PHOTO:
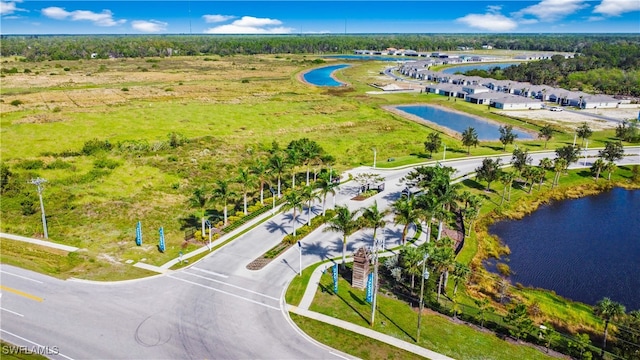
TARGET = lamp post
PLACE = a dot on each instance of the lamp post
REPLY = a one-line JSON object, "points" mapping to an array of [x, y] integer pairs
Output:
{"points": [[300, 250], [574, 138], [444, 154], [38, 182], [425, 275], [273, 200], [376, 246], [208, 223], [374, 156], [586, 148]]}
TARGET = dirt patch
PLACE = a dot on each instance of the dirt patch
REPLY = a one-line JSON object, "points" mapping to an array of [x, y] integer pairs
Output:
{"points": [[570, 120]]}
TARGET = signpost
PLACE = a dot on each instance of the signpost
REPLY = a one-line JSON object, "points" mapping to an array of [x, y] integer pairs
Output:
{"points": [[161, 246], [335, 278], [139, 233]]}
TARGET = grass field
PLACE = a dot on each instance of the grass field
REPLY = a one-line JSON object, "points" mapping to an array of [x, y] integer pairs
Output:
{"points": [[226, 110]]}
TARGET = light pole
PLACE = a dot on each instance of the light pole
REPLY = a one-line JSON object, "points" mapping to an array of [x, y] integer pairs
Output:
{"points": [[376, 246], [574, 138], [208, 223], [374, 156], [300, 250], [425, 275], [273, 200], [586, 148], [38, 182], [444, 154]]}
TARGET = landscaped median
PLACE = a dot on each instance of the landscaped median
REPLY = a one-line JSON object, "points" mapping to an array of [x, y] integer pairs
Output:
{"points": [[395, 318]]}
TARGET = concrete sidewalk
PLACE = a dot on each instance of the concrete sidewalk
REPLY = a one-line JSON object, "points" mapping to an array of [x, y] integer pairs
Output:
{"points": [[39, 242]]}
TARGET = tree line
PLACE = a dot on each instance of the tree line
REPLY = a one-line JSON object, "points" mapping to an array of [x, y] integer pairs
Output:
{"points": [[609, 47]]}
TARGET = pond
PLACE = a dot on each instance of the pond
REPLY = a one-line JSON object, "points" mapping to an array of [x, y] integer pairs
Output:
{"points": [[487, 131], [478, 66], [322, 76], [584, 249]]}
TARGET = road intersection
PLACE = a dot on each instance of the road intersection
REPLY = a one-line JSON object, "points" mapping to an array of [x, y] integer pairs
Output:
{"points": [[215, 308]]}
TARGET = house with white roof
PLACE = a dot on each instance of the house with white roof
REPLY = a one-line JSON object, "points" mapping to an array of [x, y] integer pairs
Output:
{"points": [[514, 102], [599, 102]]}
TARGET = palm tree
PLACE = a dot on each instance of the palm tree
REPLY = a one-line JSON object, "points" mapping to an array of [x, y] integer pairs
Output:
{"points": [[200, 199], [546, 132], [460, 273], [344, 223], [442, 258], [489, 171], [293, 201], [277, 167], [410, 259], [608, 310], [506, 135], [507, 178], [246, 180], [223, 192], [326, 187], [428, 206], [406, 213], [559, 164], [310, 152], [470, 138], [597, 167], [610, 167], [584, 132], [260, 170], [374, 218], [293, 159], [308, 196], [433, 142]]}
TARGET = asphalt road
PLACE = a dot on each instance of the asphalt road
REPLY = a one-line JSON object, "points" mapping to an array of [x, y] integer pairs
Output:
{"points": [[216, 308]]}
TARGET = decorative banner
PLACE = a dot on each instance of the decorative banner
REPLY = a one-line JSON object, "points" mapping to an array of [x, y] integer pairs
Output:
{"points": [[139, 234], [161, 244], [335, 278], [370, 288]]}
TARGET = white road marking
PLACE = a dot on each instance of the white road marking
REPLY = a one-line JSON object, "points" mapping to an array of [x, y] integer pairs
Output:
{"points": [[233, 286], [225, 292], [13, 312], [210, 272], [34, 343], [20, 276], [338, 355]]}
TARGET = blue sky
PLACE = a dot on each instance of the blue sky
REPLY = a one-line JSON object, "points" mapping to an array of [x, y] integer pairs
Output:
{"points": [[315, 17]]}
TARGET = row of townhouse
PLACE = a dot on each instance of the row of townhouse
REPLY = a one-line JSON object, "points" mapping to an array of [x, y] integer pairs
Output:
{"points": [[520, 95]]}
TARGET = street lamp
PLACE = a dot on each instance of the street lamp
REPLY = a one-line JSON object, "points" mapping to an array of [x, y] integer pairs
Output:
{"points": [[300, 250], [273, 200], [376, 246], [208, 223], [444, 154], [38, 182], [374, 156], [425, 275], [586, 148]]}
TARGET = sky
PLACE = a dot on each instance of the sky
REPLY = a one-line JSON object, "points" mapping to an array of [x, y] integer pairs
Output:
{"points": [[318, 17]]}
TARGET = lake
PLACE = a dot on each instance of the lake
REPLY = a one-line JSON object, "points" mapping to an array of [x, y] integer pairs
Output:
{"points": [[479, 66], [322, 76], [584, 249], [487, 131]]}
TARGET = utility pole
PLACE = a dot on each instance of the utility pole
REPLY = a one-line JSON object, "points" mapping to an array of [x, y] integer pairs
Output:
{"points": [[425, 275], [38, 182]]}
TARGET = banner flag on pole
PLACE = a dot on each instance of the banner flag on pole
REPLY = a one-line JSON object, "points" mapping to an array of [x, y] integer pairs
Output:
{"points": [[335, 278], [139, 234], [161, 244], [370, 288]]}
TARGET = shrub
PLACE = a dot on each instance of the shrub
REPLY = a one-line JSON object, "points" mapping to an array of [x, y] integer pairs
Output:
{"points": [[58, 164], [56, 109], [27, 71], [94, 146], [104, 162], [16, 102], [31, 164], [67, 69], [13, 70], [245, 81], [168, 89], [124, 89], [232, 219]]}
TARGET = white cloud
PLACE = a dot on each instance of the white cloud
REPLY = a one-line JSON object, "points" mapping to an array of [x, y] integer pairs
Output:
{"points": [[251, 25], [217, 18], [9, 7], [105, 18], [595, 18], [616, 7], [489, 22], [151, 26], [527, 21], [552, 10]]}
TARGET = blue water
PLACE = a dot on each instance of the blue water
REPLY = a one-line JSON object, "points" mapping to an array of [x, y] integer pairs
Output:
{"points": [[583, 249], [458, 122], [479, 66], [322, 76]]}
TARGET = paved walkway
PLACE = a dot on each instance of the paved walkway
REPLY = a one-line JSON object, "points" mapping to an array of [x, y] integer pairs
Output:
{"points": [[38, 242]]}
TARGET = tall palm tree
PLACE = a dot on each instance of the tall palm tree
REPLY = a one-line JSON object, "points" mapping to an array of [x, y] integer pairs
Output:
{"points": [[559, 164], [260, 171], [470, 138], [428, 206], [293, 159], [460, 273], [277, 167], [610, 167], [293, 201], [374, 218], [405, 213], [200, 198], [247, 181], [308, 196], [344, 223], [597, 167], [411, 260], [507, 178], [546, 132], [310, 153], [223, 192], [326, 187], [442, 258], [607, 310]]}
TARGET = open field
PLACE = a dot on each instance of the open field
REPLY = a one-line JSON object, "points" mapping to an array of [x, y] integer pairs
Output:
{"points": [[224, 111]]}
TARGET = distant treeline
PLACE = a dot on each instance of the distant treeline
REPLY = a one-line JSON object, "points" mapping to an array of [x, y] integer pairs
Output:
{"points": [[74, 47]]}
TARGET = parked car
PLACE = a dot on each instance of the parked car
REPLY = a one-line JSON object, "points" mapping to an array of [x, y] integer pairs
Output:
{"points": [[555, 108]]}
